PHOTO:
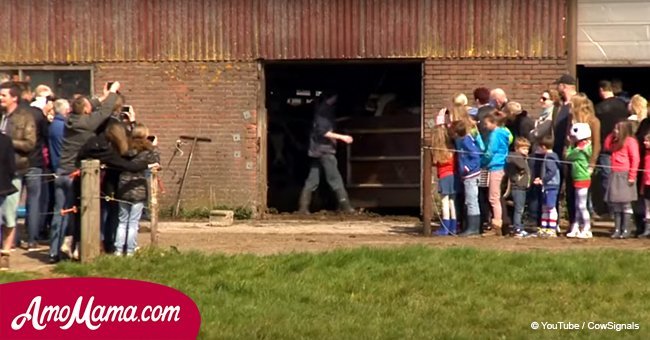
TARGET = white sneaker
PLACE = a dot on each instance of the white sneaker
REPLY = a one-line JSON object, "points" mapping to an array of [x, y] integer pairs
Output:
{"points": [[75, 253], [66, 247], [574, 232], [585, 234]]}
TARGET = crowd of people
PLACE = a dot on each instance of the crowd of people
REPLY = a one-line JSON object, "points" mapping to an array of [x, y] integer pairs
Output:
{"points": [[493, 151], [43, 140]]}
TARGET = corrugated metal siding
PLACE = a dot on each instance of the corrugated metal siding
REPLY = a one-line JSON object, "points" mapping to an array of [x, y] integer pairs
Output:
{"points": [[613, 32], [77, 31]]}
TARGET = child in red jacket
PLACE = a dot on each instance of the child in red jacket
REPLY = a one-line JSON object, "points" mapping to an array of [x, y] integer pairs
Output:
{"points": [[444, 161], [621, 189]]}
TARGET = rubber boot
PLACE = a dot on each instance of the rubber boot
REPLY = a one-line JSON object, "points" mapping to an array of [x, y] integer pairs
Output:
{"points": [[646, 233], [453, 229], [444, 228], [496, 227], [344, 202], [473, 226], [628, 227], [618, 217], [304, 202]]}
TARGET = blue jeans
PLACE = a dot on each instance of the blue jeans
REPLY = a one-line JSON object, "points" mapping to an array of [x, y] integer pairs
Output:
{"points": [[127, 229], [519, 198], [33, 185], [550, 197], [471, 196], [63, 199]]}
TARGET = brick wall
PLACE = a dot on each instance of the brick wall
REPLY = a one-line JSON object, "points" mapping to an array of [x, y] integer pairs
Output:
{"points": [[523, 80], [210, 99], [205, 99]]}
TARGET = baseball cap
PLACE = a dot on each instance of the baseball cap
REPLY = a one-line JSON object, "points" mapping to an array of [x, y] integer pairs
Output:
{"points": [[566, 79]]}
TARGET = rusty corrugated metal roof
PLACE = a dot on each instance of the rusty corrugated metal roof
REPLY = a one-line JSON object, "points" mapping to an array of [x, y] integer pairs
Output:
{"points": [[77, 31]]}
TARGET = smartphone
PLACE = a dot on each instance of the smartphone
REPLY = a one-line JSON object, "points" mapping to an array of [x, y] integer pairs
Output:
{"points": [[126, 108], [109, 84], [151, 138]]}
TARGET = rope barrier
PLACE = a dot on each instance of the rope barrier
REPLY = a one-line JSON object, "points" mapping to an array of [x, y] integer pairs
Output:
{"points": [[481, 153]]}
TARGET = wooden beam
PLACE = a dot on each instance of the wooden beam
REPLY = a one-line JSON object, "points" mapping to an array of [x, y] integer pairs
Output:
{"points": [[90, 210], [153, 206], [427, 199], [572, 36]]}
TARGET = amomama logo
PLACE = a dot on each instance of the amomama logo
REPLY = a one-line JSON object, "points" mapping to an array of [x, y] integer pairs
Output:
{"points": [[101, 308]]}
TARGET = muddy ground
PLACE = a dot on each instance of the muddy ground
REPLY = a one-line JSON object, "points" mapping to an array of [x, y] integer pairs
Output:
{"points": [[282, 235]]}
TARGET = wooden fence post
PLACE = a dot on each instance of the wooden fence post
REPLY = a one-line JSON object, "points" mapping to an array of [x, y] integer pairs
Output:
{"points": [[427, 200], [153, 206], [90, 210]]}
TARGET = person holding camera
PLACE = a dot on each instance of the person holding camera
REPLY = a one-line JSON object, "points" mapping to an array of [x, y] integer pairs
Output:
{"points": [[132, 190], [81, 126]]}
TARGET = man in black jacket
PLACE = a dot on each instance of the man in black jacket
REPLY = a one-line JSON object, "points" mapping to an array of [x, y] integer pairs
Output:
{"points": [[610, 111], [322, 151], [80, 127], [33, 177]]}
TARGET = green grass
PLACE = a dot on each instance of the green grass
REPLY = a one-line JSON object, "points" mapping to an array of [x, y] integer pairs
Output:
{"points": [[12, 277], [410, 292]]}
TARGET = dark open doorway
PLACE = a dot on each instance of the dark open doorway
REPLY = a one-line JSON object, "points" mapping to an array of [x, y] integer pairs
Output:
{"points": [[379, 105], [634, 79]]}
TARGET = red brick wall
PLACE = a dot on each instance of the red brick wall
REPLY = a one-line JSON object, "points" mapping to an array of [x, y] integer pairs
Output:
{"points": [[523, 80], [205, 99], [209, 99]]}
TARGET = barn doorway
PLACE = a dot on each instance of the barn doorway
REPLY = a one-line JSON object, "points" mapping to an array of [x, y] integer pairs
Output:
{"points": [[379, 105], [634, 81]]}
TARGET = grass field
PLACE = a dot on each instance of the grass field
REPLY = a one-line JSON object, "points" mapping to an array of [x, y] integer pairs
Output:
{"points": [[411, 292]]}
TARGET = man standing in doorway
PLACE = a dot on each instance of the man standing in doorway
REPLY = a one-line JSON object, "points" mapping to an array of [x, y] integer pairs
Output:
{"points": [[322, 151], [610, 111]]}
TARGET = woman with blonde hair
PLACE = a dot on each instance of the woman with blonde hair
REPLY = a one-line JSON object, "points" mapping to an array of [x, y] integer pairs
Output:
{"points": [[458, 110], [582, 111], [638, 108]]}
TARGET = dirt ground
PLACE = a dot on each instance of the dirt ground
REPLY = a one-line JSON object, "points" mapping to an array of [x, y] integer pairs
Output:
{"points": [[264, 237]]}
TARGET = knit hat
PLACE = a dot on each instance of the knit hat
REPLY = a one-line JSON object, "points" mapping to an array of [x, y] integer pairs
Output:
{"points": [[580, 131]]}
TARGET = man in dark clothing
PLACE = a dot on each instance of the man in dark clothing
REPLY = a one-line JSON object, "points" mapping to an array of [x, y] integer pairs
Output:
{"points": [[482, 99], [610, 111], [617, 88], [322, 151], [57, 127], [79, 128], [566, 86], [32, 181]]}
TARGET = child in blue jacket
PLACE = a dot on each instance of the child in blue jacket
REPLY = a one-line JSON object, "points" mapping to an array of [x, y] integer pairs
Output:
{"points": [[550, 182], [494, 160], [469, 147]]}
